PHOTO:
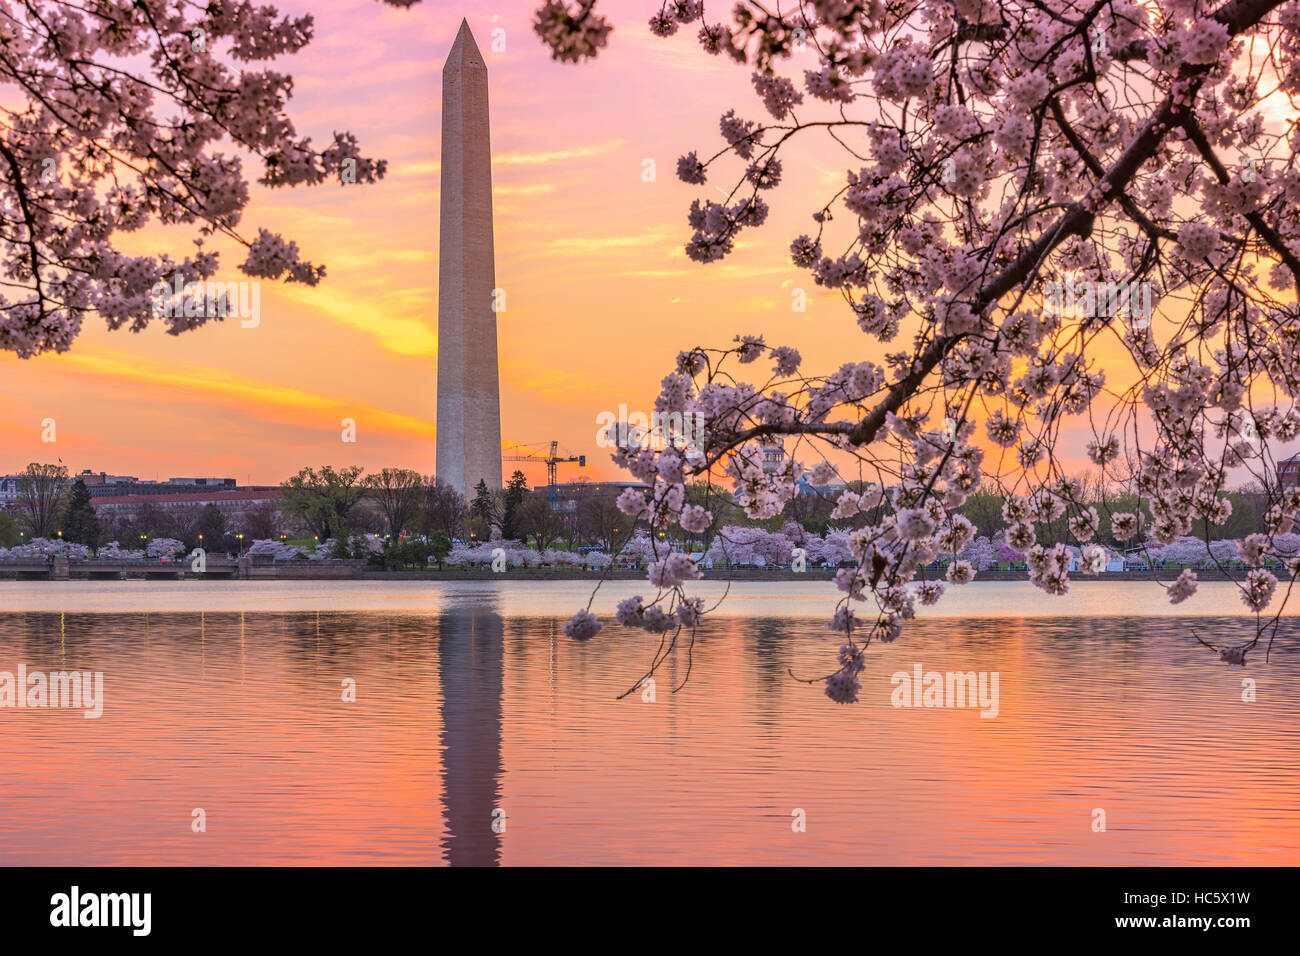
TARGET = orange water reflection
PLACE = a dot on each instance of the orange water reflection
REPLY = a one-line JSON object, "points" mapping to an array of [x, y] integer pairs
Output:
{"points": [[469, 717]]}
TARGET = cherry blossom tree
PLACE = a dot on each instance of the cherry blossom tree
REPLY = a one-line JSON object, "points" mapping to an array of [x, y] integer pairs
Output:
{"points": [[169, 548], [95, 143], [640, 547], [834, 549], [41, 549], [1064, 221], [979, 553], [277, 550], [748, 545]]}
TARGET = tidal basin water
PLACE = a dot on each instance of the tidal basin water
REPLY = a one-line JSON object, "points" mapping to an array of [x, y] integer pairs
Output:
{"points": [[480, 734]]}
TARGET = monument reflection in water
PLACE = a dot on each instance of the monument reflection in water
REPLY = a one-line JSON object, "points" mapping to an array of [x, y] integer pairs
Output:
{"points": [[471, 657]]}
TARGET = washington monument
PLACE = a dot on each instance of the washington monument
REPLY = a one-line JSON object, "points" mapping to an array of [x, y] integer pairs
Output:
{"points": [[469, 404]]}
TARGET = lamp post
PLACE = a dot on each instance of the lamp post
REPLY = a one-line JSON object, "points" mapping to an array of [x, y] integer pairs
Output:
{"points": [[240, 536]]}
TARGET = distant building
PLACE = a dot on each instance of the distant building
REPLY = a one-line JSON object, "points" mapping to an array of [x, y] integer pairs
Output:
{"points": [[803, 486], [126, 494], [130, 500], [773, 455], [1288, 472], [205, 482], [171, 488], [101, 478], [568, 494]]}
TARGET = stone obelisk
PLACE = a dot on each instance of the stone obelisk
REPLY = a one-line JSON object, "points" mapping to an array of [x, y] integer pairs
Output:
{"points": [[469, 403]]}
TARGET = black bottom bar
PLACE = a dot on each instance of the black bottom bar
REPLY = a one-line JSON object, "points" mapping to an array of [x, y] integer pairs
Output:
{"points": [[332, 906]]}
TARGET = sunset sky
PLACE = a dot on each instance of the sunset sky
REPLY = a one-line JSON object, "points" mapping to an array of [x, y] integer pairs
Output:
{"points": [[599, 294]]}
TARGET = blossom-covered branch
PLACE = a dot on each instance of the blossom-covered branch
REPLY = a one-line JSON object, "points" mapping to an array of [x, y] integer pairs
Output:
{"points": [[1078, 217], [91, 146]]}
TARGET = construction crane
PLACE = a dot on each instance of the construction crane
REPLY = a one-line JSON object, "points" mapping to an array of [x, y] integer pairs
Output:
{"points": [[552, 460]]}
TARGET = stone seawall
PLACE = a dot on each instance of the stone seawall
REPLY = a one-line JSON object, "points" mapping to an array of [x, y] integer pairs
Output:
{"points": [[356, 571]]}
